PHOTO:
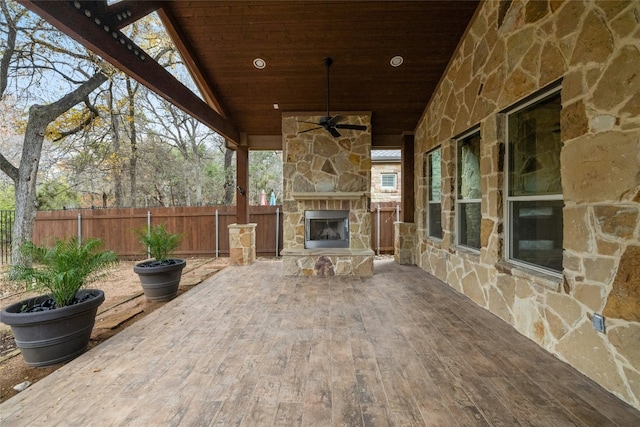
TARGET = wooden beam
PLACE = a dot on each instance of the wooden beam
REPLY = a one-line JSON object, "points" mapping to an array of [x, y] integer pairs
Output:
{"points": [[121, 14], [116, 48], [386, 141], [407, 172], [242, 180], [179, 39], [265, 142]]}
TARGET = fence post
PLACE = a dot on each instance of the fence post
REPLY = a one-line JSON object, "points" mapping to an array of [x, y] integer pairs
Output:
{"points": [[217, 226], [277, 229], [79, 229], [378, 231], [397, 212], [148, 232]]}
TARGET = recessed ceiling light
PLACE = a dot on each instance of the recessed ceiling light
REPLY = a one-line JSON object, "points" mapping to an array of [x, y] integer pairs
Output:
{"points": [[396, 61], [259, 63]]}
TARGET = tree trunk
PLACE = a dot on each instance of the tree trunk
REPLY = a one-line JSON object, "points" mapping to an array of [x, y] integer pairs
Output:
{"points": [[229, 181], [25, 186], [116, 166], [197, 180], [186, 176], [133, 144]]}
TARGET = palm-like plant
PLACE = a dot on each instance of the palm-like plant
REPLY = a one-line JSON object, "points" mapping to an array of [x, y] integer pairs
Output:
{"points": [[159, 241], [65, 267]]}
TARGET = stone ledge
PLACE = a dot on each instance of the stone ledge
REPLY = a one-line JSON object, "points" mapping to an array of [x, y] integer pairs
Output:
{"points": [[330, 195], [545, 281], [327, 251]]}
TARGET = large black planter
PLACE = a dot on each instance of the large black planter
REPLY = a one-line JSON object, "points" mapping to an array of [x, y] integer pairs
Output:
{"points": [[53, 336], [160, 281]]}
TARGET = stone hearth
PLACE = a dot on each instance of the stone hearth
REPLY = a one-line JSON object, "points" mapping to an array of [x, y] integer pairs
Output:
{"points": [[326, 173]]}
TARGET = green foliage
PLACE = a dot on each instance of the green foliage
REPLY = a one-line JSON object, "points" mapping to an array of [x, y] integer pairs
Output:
{"points": [[265, 173], [65, 267], [159, 241], [57, 194], [7, 197]]}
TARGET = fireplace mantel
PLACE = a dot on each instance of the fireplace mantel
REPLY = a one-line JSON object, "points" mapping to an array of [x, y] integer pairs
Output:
{"points": [[330, 195]]}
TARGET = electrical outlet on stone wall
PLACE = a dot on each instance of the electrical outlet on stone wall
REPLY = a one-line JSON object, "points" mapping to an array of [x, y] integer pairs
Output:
{"points": [[598, 322]]}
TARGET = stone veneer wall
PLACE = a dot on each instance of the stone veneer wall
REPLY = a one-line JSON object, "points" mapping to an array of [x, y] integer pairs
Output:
{"points": [[317, 163], [512, 49]]}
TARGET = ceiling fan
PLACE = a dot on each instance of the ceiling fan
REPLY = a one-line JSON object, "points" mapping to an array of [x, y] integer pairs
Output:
{"points": [[332, 124]]}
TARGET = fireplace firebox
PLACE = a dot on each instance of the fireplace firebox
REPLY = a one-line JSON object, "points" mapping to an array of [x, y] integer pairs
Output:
{"points": [[326, 229]]}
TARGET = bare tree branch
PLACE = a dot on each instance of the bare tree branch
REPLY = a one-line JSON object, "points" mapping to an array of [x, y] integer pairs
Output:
{"points": [[93, 113], [8, 168], [60, 106], [12, 32]]}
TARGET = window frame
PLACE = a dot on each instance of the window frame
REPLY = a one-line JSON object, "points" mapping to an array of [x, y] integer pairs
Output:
{"points": [[395, 181], [510, 201], [458, 200], [428, 201]]}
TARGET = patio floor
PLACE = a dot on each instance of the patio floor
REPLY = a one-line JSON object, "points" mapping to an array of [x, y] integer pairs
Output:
{"points": [[250, 347]]}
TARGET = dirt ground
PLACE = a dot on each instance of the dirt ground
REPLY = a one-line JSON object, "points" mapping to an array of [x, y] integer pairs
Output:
{"points": [[124, 305]]}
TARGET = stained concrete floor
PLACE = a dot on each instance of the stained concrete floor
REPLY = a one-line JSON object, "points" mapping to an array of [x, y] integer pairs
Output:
{"points": [[250, 347]]}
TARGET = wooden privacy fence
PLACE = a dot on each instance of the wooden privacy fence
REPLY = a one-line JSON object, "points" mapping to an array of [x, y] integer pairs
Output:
{"points": [[205, 228], [383, 215]]}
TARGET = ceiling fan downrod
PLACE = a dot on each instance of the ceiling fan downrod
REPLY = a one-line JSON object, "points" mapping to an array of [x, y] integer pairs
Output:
{"points": [[332, 124], [327, 62]]}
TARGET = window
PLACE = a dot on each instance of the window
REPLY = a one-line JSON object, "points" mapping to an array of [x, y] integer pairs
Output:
{"points": [[468, 192], [388, 181], [434, 187], [534, 193]]}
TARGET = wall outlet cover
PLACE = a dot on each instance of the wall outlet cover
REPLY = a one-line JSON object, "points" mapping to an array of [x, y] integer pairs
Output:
{"points": [[598, 322]]}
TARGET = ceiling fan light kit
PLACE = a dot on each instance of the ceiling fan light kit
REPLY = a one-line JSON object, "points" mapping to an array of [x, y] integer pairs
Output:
{"points": [[329, 123]]}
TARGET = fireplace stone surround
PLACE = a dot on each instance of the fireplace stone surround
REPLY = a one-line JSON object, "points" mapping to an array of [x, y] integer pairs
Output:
{"points": [[326, 173]]}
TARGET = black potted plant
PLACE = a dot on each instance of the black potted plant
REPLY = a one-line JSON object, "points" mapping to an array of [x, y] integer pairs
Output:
{"points": [[160, 276], [56, 327]]}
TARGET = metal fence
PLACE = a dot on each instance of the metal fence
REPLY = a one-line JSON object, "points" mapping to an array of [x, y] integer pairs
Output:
{"points": [[6, 231]]}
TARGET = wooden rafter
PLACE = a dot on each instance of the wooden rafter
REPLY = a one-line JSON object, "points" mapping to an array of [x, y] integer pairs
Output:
{"points": [[92, 25]]}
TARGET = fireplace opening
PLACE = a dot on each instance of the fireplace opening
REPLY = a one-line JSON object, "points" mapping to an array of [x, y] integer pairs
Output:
{"points": [[326, 229]]}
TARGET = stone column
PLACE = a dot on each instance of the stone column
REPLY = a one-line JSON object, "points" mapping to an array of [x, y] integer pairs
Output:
{"points": [[404, 243], [242, 244]]}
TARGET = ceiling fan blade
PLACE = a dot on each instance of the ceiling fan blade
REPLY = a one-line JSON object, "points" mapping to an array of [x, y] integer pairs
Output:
{"points": [[333, 131], [309, 130], [335, 119], [348, 126], [311, 123], [325, 121]]}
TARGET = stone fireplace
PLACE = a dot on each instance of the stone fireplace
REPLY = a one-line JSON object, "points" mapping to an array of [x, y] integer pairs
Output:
{"points": [[327, 180]]}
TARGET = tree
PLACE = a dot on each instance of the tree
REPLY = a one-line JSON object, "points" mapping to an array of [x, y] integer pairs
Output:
{"points": [[57, 194], [265, 173], [188, 136], [33, 54]]}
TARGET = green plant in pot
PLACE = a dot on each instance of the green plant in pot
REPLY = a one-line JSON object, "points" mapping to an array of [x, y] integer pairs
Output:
{"points": [[56, 327], [160, 276]]}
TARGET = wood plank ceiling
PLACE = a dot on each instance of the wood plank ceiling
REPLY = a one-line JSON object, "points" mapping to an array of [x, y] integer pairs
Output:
{"points": [[221, 39]]}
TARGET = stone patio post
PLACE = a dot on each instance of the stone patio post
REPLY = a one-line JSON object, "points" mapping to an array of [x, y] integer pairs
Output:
{"points": [[242, 244], [404, 243]]}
